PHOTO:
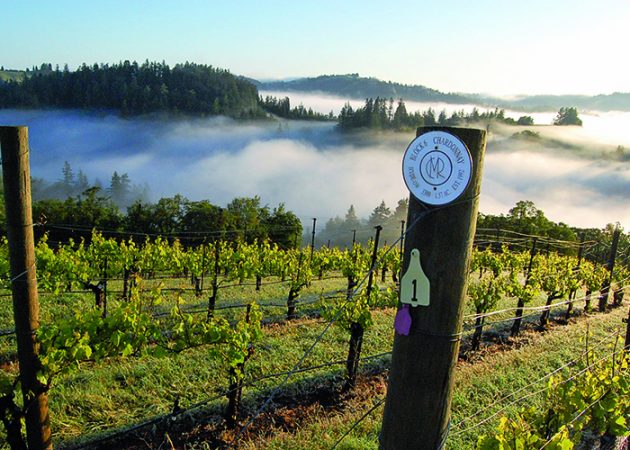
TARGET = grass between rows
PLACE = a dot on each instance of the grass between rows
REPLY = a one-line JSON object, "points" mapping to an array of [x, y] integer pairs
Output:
{"points": [[493, 373], [119, 392]]}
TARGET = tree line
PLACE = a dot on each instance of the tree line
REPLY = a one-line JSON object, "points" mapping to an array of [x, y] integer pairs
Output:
{"points": [[385, 114], [243, 219], [527, 219], [136, 89], [121, 191], [524, 218], [247, 219], [72, 206], [199, 89], [281, 107], [380, 113], [341, 231]]}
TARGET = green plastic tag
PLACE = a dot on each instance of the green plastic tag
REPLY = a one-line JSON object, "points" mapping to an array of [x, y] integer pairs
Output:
{"points": [[415, 289]]}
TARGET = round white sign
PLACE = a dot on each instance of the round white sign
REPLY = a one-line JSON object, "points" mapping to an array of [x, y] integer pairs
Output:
{"points": [[437, 167]]}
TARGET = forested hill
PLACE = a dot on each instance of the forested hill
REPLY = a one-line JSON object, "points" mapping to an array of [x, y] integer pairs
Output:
{"points": [[354, 86], [134, 89], [614, 102], [198, 89]]}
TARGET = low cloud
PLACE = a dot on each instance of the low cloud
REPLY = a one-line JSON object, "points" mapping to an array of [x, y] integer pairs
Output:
{"points": [[316, 170], [578, 192], [314, 182]]}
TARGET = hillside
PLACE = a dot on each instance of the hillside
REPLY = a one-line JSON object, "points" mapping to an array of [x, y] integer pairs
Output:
{"points": [[203, 89], [617, 101], [11, 75], [133, 89], [355, 86]]}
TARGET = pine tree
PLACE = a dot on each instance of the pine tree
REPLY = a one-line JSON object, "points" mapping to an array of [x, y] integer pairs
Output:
{"points": [[567, 116], [380, 215], [401, 118], [352, 221], [115, 187], [67, 180], [82, 182]]}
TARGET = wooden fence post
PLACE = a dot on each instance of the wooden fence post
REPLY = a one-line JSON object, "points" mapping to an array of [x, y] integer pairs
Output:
{"points": [[356, 329], [313, 238], [603, 298], [212, 300], [516, 326], [19, 218], [417, 408], [573, 292]]}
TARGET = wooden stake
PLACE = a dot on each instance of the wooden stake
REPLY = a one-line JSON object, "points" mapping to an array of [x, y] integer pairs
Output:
{"points": [[603, 298], [516, 326], [356, 329], [313, 238], [215, 280], [17, 198], [417, 409]]}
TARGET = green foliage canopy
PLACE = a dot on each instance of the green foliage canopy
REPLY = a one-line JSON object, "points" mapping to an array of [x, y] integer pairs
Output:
{"points": [[134, 89], [567, 116]]}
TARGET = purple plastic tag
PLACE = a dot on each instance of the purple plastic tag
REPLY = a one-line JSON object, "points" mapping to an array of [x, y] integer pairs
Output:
{"points": [[402, 322]]}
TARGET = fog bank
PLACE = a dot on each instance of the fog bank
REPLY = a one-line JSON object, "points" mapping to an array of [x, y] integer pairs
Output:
{"points": [[316, 170]]}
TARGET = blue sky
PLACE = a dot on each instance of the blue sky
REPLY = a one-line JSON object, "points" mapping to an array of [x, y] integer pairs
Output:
{"points": [[497, 47]]}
